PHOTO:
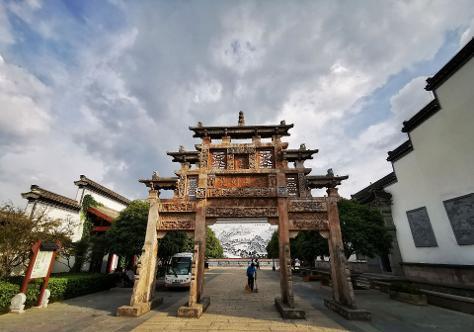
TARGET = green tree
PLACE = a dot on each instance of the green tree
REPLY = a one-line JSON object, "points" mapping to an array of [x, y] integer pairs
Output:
{"points": [[127, 233], [363, 233], [172, 243], [363, 230], [213, 245], [309, 245], [272, 246], [18, 232]]}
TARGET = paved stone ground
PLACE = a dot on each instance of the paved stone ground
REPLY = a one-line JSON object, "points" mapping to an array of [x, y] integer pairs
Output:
{"points": [[233, 309]]}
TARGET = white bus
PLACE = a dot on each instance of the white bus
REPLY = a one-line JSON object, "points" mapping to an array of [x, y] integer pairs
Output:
{"points": [[178, 273]]}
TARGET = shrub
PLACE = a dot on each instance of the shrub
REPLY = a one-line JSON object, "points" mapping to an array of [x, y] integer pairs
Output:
{"points": [[404, 287], [62, 286]]}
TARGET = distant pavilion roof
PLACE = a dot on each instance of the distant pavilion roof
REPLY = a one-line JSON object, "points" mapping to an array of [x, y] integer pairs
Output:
{"points": [[368, 193], [86, 182], [40, 194]]}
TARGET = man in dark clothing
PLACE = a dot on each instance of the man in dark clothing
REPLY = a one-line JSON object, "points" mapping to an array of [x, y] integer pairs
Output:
{"points": [[251, 275]]}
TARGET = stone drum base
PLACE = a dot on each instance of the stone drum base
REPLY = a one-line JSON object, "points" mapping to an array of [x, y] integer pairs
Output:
{"points": [[288, 313], [138, 309], [346, 312], [196, 310]]}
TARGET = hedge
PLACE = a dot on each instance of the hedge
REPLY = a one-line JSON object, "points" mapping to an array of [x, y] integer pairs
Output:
{"points": [[62, 286]]}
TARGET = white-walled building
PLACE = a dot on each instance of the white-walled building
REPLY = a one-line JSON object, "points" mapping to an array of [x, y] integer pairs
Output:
{"points": [[432, 192], [68, 210]]}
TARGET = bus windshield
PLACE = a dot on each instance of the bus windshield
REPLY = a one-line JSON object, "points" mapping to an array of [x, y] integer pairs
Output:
{"points": [[180, 266]]}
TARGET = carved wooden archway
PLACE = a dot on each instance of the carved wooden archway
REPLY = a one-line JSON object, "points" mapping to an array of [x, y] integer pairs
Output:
{"points": [[241, 180]]}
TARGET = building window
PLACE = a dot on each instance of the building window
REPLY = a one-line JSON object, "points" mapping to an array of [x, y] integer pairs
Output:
{"points": [[219, 159], [265, 158], [460, 212], [421, 229], [192, 186]]}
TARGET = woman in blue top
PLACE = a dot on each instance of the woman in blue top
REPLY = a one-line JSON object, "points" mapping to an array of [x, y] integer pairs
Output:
{"points": [[251, 270]]}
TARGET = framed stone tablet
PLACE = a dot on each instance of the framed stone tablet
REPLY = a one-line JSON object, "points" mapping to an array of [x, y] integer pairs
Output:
{"points": [[460, 212], [421, 229]]}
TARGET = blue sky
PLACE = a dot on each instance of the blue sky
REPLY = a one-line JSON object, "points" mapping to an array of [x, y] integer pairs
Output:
{"points": [[105, 88]]}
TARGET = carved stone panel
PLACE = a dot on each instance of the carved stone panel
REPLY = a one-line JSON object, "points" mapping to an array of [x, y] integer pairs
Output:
{"points": [[302, 186], [241, 161], [201, 193], [241, 181], [460, 212], [181, 185], [421, 229], [230, 162], [177, 206], [241, 149], [316, 204], [244, 202], [176, 222], [282, 191], [241, 212], [203, 161], [308, 221], [241, 192], [292, 185]]}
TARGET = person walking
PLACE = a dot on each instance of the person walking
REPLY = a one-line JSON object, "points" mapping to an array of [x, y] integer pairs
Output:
{"points": [[251, 270]]}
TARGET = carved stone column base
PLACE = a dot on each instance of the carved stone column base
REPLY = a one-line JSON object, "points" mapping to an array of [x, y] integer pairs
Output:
{"points": [[196, 310], [17, 305], [288, 313], [138, 309], [346, 312]]}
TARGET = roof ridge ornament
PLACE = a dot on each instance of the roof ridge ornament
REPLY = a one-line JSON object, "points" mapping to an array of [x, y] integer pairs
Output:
{"points": [[241, 119]]}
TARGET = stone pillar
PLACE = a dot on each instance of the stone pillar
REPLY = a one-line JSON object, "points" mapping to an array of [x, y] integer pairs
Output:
{"points": [[340, 274], [143, 296], [286, 286], [200, 239], [197, 304], [193, 289]]}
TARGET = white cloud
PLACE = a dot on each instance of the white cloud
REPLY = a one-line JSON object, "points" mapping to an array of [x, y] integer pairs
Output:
{"points": [[410, 99], [467, 35], [5, 27], [24, 103], [120, 98]]}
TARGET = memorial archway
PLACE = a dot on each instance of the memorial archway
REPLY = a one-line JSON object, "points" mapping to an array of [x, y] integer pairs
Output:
{"points": [[242, 180]]}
